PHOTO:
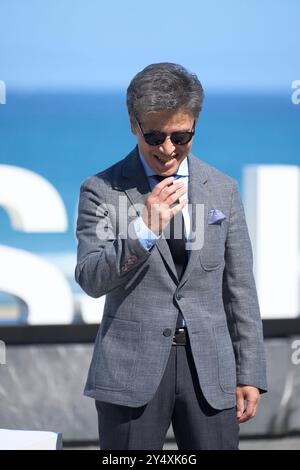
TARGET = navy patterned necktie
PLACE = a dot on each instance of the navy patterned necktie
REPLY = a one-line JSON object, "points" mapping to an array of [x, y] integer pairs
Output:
{"points": [[177, 246]]}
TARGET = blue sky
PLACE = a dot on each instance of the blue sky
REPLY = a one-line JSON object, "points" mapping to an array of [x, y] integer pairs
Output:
{"points": [[88, 44]]}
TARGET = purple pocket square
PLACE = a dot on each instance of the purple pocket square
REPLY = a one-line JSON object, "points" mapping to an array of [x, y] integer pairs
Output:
{"points": [[215, 217]]}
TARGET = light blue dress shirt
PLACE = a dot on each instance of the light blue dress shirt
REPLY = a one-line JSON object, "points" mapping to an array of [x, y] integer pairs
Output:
{"points": [[146, 237]]}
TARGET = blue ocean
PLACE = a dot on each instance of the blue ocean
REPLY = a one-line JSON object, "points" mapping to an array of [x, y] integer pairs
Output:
{"points": [[66, 137]]}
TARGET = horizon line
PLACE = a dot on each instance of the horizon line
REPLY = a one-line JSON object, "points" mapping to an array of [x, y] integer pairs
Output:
{"points": [[120, 90]]}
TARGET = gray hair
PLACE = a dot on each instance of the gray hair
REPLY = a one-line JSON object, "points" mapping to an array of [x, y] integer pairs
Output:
{"points": [[164, 87]]}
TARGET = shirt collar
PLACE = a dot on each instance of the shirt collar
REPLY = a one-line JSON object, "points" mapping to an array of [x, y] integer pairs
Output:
{"points": [[183, 169]]}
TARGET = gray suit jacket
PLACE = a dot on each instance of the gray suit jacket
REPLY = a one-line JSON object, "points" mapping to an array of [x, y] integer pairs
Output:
{"points": [[216, 295]]}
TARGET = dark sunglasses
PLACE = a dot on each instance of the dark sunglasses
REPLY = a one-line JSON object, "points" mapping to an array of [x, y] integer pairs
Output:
{"points": [[157, 138]]}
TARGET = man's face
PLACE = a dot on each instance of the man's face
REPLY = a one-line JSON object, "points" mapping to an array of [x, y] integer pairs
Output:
{"points": [[163, 159]]}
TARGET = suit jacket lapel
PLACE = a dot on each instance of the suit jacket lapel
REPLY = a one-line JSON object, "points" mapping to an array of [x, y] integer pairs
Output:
{"points": [[199, 201], [134, 181]]}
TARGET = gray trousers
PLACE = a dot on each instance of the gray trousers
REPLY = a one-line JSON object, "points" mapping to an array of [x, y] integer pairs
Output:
{"points": [[178, 400]]}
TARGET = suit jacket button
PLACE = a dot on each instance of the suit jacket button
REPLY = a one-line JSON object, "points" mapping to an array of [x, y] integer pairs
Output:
{"points": [[178, 296], [167, 332]]}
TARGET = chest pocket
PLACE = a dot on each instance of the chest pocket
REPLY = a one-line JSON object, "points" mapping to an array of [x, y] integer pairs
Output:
{"points": [[213, 250]]}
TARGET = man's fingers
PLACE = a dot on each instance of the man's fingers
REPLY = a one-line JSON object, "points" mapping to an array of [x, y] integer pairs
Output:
{"points": [[161, 185], [165, 189], [160, 209], [249, 411], [173, 189], [250, 395], [175, 195], [178, 207], [239, 406]]}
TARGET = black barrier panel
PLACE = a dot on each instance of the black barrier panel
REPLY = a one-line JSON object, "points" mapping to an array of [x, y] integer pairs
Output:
{"points": [[86, 333]]}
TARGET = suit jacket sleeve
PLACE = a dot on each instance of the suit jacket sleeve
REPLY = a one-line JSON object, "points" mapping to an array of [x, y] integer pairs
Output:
{"points": [[105, 260], [241, 302]]}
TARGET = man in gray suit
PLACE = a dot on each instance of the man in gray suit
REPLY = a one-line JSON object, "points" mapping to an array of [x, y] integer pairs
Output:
{"points": [[163, 236]]}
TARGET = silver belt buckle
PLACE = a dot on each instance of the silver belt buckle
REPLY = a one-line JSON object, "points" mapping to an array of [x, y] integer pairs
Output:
{"points": [[177, 330]]}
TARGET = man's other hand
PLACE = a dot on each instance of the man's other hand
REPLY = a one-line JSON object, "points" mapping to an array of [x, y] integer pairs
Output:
{"points": [[246, 394]]}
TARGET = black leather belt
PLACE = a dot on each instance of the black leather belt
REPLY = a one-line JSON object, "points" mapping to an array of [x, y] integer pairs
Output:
{"points": [[180, 337]]}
